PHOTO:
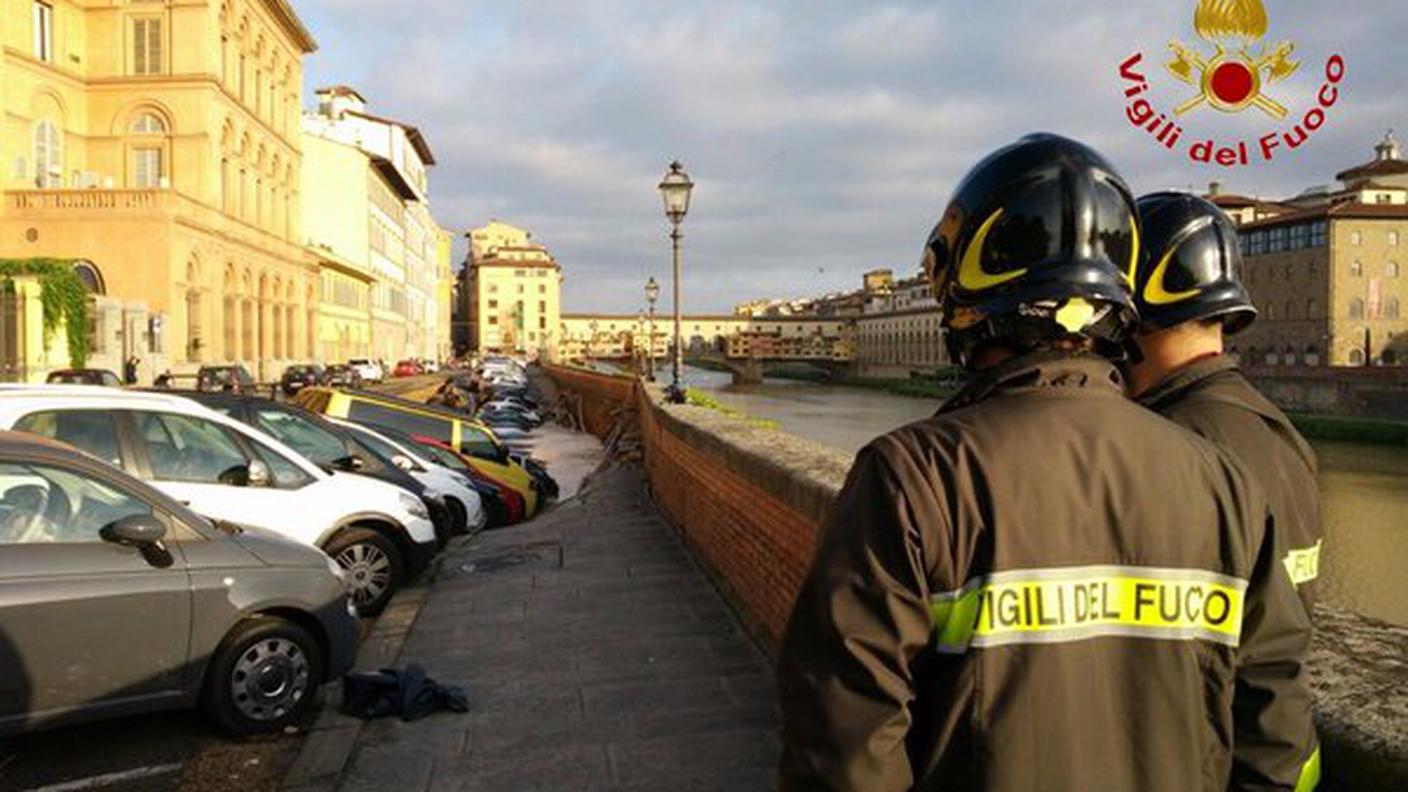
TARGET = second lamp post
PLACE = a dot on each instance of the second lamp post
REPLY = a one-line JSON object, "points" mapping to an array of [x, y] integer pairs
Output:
{"points": [[652, 293], [675, 188]]}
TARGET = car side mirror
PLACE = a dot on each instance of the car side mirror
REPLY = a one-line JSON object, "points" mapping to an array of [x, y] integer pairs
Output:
{"points": [[349, 464], [258, 474], [136, 530], [141, 531]]}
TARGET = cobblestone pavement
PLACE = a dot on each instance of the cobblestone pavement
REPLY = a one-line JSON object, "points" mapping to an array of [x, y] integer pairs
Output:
{"points": [[595, 656]]}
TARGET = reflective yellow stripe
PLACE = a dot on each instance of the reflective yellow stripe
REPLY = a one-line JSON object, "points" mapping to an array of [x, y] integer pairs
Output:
{"points": [[1309, 773], [1080, 603], [1303, 564]]}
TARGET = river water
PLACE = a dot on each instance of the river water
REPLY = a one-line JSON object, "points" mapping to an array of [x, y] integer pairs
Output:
{"points": [[1364, 489]]}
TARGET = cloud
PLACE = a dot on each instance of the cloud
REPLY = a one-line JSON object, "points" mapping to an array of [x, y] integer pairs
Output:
{"points": [[824, 135]]}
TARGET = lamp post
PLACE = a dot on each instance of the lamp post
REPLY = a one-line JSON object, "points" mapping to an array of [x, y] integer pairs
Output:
{"points": [[675, 188], [652, 293]]}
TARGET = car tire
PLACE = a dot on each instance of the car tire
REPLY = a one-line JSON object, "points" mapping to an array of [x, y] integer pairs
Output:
{"points": [[264, 677], [459, 517], [375, 567]]}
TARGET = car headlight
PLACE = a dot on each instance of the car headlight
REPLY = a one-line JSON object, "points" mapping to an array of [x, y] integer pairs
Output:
{"points": [[414, 506]]}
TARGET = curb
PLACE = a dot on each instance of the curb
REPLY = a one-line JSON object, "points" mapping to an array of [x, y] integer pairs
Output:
{"points": [[328, 747]]}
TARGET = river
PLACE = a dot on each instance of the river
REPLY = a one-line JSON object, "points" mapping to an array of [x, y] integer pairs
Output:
{"points": [[1363, 488]]}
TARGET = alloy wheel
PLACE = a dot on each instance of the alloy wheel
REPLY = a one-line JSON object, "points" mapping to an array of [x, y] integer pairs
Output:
{"points": [[368, 571]]}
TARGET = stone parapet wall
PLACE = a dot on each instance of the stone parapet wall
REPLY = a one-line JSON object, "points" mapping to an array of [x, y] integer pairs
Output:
{"points": [[749, 502]]}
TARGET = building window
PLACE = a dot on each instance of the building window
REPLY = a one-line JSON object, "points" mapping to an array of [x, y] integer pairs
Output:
{"points": [[1356, 238], [1392, 269], [542, 288], [1356, 308], [146, 46], [1393, 239], [1356, 357], [1290, 310], [1391, 308], [48, 155], [1319, 233], [493, 320], [542, 323], [542, 306], [44, 32], [1357, 269], [493, 303], [1311, 309], [147, 169]]}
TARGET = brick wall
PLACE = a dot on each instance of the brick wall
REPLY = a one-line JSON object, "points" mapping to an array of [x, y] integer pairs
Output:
{"points": [[747, 501]]}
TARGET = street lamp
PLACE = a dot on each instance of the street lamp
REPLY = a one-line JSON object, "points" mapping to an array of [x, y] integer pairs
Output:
{"points": [[652, 293], [675, 188]]}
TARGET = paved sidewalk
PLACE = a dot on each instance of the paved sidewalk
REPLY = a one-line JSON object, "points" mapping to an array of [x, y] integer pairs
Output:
{"points": [[595, 656]]}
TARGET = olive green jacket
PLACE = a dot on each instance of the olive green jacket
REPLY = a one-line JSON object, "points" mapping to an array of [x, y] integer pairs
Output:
{"points": [[1213, 399], [1046, 587]]}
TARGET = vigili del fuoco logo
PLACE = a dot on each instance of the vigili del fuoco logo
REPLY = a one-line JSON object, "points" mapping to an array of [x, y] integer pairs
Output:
{"points": [[1234, 70]]}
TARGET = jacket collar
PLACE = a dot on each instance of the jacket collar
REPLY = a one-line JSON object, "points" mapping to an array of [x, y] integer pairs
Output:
{"points": [[1177, 384], [1040, 370]]}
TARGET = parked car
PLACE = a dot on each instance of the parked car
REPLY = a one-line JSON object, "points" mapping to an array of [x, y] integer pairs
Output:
{"points": [[381, 534], [298, 377], [459, 489], [460, 432], [506, 504], [342, 375], [369, 370], [117, 599], [101, 377], [224, 378], [334, 448], [407, 368]]}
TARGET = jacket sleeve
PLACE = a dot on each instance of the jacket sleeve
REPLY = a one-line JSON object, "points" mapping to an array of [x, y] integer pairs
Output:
{"points": [[860, 619], [1275, 744]]}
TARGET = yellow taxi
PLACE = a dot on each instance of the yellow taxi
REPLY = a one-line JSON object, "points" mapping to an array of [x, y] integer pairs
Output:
{"points": [[473, 440]]}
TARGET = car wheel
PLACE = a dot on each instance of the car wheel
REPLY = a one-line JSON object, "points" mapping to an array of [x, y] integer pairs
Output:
{"points": [[459, 518], [375, 567], [264, 677]]}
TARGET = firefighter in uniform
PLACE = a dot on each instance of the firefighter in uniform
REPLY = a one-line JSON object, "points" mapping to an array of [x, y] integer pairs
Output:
{"points": [[1189, 296], [1045, 586]]}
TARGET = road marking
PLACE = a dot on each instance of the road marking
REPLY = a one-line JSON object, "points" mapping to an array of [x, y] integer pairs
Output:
{"points": [[108, 779]]}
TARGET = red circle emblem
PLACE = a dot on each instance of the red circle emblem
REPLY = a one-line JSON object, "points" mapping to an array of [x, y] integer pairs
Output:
{"points": [[1233, 82]]}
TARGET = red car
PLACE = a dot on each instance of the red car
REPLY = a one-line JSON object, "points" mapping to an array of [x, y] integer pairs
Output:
{"points": [[407, 368]]}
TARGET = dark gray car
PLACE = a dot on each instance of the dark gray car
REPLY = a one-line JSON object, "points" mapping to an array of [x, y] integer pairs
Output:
{"points": [[116, 599]]}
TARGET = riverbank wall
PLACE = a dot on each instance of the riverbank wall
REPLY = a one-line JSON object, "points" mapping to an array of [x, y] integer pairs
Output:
{"points": [[748, 503]]}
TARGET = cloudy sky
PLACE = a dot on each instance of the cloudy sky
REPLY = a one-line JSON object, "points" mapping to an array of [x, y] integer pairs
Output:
{"points": [[824, 135]]}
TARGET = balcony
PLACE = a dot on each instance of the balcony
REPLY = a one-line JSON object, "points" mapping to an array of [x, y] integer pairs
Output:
{"points": [[99, 203], [85, 199]]}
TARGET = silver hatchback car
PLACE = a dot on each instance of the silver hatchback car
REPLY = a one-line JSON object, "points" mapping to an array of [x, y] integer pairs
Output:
{"points": [[116, 599]]}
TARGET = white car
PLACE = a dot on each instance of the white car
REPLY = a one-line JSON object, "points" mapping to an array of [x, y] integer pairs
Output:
{"points": [[430, 366], [447, 482], [228, 471], [368, 370]]}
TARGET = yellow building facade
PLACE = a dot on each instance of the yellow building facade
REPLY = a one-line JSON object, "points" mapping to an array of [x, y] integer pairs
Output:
{"points": [[158, 143], [515, 293]]}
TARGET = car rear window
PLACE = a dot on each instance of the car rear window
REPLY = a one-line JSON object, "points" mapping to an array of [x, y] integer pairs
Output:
{"points": [[87, 430], [365, 412]]}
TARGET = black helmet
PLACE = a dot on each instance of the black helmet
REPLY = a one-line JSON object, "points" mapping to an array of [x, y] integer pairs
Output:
{"points": [[1039, 241], [1190, 266]]}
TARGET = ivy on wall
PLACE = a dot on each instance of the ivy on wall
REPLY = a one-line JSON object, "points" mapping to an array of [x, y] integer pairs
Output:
{"points": [[64, 297]]}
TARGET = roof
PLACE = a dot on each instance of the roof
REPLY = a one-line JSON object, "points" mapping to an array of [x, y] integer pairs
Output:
{"points": [[1382, 167], [393, 177], [1344, 210], [284, 13], [341, 90], [413, 134]]}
